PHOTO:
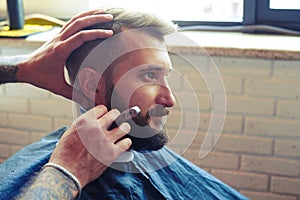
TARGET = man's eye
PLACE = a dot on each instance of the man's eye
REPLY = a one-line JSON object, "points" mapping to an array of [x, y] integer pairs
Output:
{"points": [[150, 75]]}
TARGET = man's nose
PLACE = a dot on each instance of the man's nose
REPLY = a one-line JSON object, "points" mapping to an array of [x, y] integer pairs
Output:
{"points": [[165, 96]]}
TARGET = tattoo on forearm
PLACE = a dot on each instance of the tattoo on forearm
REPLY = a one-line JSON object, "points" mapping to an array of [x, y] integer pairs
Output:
{"points": [[8, 73], [50, 184], [9, 67]]}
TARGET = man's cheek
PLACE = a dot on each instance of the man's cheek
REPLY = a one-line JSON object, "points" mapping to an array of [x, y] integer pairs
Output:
{"points": [[144, 95], [143, 103]]}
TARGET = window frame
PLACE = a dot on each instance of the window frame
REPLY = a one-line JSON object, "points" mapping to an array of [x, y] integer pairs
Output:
{"points": [[255, 12], [260, 13]]}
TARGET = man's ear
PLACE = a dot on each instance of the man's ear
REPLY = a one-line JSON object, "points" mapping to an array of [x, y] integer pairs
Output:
{"points": [[89, 79]]}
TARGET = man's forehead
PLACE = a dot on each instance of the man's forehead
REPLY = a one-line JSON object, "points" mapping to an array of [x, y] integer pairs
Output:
{"points": [[140, 39], [120, 44], [144, 60]]}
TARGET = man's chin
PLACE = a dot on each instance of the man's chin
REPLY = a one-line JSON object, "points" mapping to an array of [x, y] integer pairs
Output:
{"points": [[157, 123], [152, 143]]}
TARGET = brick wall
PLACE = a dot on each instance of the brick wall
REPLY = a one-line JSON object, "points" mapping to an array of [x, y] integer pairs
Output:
{"points": [[27, 114], [258, 151]]}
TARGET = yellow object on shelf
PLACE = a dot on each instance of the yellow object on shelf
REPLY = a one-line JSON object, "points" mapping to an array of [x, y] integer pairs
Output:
{"points": [[28, 29]]}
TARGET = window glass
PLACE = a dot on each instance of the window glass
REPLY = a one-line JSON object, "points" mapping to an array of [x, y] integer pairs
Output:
{"points": [[187, 10], [286, 4]]}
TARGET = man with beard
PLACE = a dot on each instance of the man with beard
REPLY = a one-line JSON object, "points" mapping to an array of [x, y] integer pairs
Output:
{"points": [[132, 69]]}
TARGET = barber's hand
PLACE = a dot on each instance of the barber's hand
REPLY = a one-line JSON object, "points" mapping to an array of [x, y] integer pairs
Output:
{"points": [[87, 147], [44, 68]]}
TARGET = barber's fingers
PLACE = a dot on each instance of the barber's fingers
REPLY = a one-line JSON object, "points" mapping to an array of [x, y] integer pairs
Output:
{"points": [[106, 120], [69, 45], [123, 145], [80, 15], [117, 133], [84, 22], [98, 111]]}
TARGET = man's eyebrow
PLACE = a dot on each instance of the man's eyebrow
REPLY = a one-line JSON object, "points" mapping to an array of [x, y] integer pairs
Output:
{"points": [[155, 68]]}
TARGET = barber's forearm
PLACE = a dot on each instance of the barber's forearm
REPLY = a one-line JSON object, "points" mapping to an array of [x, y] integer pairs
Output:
{"points": [[9, 69], [50, 184]]}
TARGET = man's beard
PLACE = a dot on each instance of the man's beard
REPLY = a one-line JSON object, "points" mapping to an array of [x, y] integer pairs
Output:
{"points": [[142, 135]]}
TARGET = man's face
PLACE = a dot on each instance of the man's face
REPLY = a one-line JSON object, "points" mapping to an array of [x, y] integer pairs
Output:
{"points": [[142, 80]]}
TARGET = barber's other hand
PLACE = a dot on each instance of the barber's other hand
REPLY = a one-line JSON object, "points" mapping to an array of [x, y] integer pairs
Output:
{"points": [[87, 147], [44, 68]]}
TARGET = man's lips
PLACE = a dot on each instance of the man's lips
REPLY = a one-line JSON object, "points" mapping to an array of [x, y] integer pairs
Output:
{"points": [[158, 111], [157, 118], [155, 115]]}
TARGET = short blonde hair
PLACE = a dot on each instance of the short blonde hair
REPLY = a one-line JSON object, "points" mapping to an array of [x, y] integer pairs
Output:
{"points": [[123, 19]]}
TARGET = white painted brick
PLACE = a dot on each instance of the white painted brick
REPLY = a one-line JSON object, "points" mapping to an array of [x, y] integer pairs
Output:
{"points": [[191, 69], [16, 51], [197, 142], [192, 120], [204, 121], [232, 124], [288, 148], [243, 180], [288, 108], [194, 82], [174, 119], [246, 105], [268, 165], [4, 150], [176, 81], [26, 90], [175, 149], [61, 122], [204, 102], [245, 144], [277, 88], [2, 90], [285, 185], [243, 67], [192, 101], [56, 97], [11, 136], [52, 108], [3, 120], [14, 104], [272, 127], [287, 69], [266, 196], [30, 122], [15, 148], [181, 139], [186, 63], [200, 140], [212, 83], [213, 159], [36, 136], [233, 85]]}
